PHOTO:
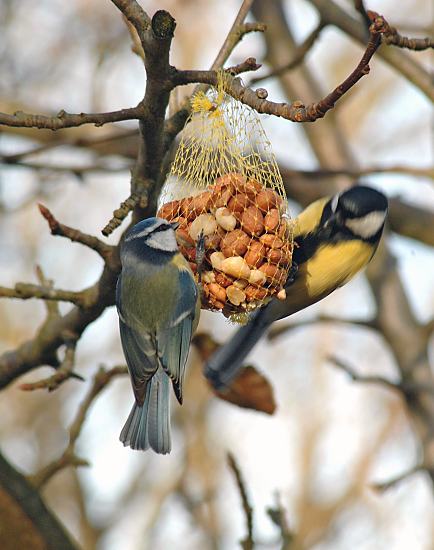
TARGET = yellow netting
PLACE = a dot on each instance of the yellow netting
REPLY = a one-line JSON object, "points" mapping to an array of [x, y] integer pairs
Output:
{"points": [[224, 182]]}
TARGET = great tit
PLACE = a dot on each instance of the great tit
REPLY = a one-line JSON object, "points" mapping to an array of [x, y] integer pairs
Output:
{"points": [[158, 305], [334, 238]]}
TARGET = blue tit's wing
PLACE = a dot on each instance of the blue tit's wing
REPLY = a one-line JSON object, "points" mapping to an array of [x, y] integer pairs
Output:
{"points": [[174, 341], [141, 355], [140, 351]]}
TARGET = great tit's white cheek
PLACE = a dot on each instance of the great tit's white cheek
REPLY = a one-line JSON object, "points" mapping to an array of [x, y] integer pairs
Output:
{"points": [[366, 226]]}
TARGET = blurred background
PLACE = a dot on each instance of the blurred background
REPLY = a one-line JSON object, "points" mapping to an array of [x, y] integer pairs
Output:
{"points": [[331, 439]]}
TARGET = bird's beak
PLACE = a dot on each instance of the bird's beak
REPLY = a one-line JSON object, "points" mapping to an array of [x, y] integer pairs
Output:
{"points": [[174, 225], [334, 219]]}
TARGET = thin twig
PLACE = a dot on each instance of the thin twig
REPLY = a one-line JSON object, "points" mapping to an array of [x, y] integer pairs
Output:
{"points": [[120, 214], [359, 172], [392, 37], [277, 515], [69, 458], [63, 373], [247, 543], [360, 7], [365, 379], [385, 485], [278, 330]]}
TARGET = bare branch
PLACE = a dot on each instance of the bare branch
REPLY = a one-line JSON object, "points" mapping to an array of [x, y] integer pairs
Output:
{"points": [[68, 120], [277, 330], [26, 291], [69, 458], [386, 485], [120, 214], [360, 172], [248, 542], [297, 111], [364, 379], [359, 6], [392, 37]]}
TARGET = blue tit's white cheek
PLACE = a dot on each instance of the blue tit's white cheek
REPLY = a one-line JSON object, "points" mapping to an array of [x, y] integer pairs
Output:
{"points": [[163, 240], [366, 226]]}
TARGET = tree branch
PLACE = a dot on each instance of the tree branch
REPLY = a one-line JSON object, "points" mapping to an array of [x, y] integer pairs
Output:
{"points": [[68, 120], [247, 543]]}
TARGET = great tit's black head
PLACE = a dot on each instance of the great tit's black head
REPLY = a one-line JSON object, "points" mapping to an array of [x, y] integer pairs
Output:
{"points": [[360, 211], [156, 233]]}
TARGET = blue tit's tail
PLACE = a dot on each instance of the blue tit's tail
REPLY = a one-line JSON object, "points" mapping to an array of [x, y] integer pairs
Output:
{"points": [[149, 425], [225, 363]]}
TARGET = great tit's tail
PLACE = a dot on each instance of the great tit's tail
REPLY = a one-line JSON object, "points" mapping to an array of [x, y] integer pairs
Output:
{"points": [[149, 425], [225, 363]]}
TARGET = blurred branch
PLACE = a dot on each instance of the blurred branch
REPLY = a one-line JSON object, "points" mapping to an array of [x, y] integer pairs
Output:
{"points": [[120, 214], [364, 379], [279, 329], [297, 57], [248, 542], [360, 172], [359, 6], [386, 485], [42, 528], [25, 291], [277, 515], [63, 373], [78, 171], [68, 458]]}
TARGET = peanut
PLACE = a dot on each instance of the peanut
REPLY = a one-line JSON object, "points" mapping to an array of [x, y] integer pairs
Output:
{"points": [[205, 223], [252, 221], [274, 275], [212, 242], [200, 203], [223, 280], [239, 202], [257, 277], [234, 243], [208, 277], [281, 295], [255, 293], [271, 220], [236, 266], [251, 188], [240, 283], [235, 295], [225, 219], [217, 291], [266, 200], [216, 259], [221, 194], [169, 210], [279, 256], [270, 240], [255, 254], [183, 238]]}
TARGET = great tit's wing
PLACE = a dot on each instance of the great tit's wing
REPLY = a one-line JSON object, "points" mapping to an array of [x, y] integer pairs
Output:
{"points": [[141, 355], [174, 341]]}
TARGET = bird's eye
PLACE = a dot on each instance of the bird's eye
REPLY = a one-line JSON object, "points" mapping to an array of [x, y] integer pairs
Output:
{"points": [[334, 203]]}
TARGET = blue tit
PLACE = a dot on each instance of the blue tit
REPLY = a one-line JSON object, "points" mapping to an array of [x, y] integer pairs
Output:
{"points": [[158, 305], [335, 237]]}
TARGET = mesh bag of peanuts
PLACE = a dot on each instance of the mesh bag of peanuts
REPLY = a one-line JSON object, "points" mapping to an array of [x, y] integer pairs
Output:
{"points": [[224, 189]]}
